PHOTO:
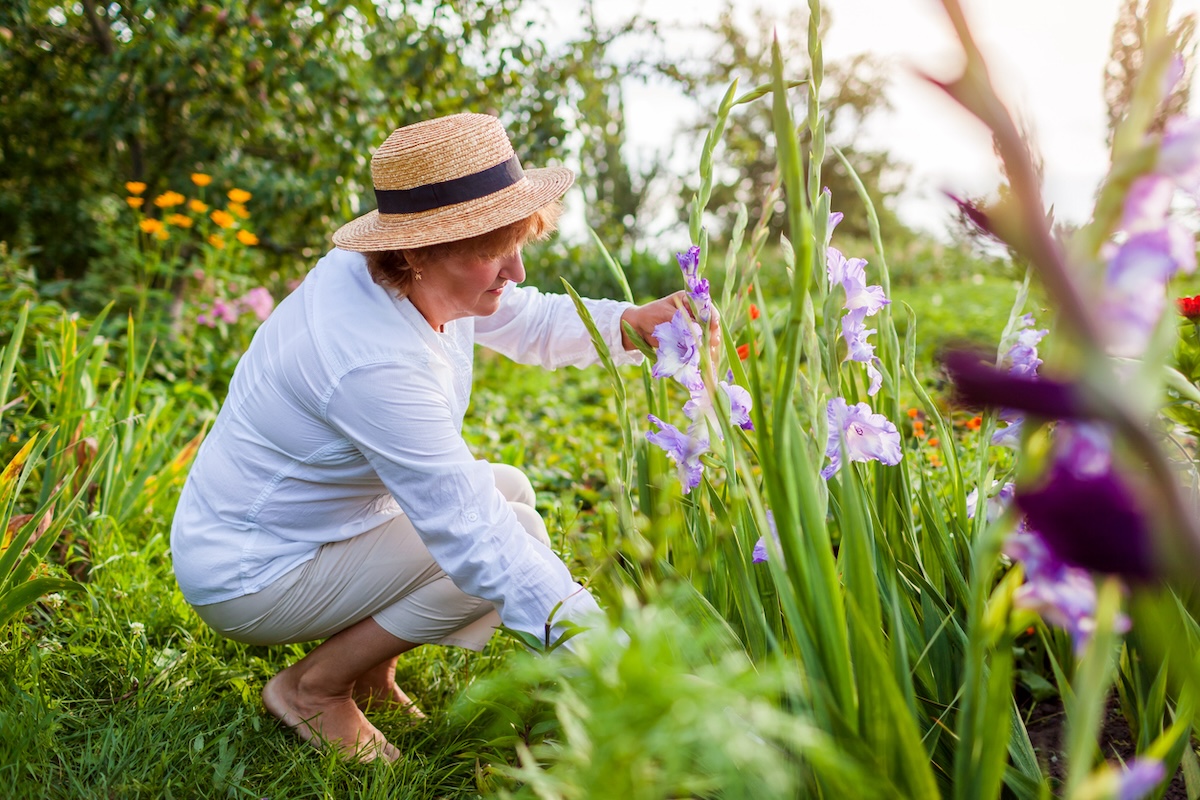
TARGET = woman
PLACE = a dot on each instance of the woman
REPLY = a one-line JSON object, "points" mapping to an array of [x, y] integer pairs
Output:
{"points": [[334, 497]]}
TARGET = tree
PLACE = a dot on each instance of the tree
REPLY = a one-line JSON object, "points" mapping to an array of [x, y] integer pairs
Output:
{"points": [[853, 91], [285, 99]]}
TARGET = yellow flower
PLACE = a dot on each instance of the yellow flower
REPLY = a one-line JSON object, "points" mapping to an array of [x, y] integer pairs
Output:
{"points": [[168, 199], [247, 238], [135, 202], [200, 179], [197, 207], [239, 195], [223, 218], [180, 220], [240, 210], [150, 225], [216, 241], [135, 187], [162, 234]]}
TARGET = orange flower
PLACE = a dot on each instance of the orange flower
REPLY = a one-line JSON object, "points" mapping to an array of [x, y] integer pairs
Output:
{"points": [[743, 351], [135, 187], [974, 423], [150, 226], [197, 207], [935, 460], [919, 429], [912, 413], [180, 220], [216, 241], [247, 238], [168, 199], [754, 312], [135, 202], [162, 235], [239, 195], [223, 218], [239, 210], [934, 442], [200, 179]]}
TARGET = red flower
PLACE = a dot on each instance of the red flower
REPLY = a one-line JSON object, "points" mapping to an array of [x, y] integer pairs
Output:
{"points": [[754, 312], [1190, 307], [743, 351], [974, 423]]}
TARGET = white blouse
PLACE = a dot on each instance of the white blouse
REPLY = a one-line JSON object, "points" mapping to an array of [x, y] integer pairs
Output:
{"points": [[347, 411]]}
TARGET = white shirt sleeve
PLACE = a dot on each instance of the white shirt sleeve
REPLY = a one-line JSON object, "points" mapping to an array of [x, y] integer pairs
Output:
{"points": [[401, 420], [545, 329]]}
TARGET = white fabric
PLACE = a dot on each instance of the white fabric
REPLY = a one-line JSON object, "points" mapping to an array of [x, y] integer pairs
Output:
{"points": [[347, 411]]}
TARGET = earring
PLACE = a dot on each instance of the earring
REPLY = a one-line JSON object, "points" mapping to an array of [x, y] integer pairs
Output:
{"points": [[416, 274]]}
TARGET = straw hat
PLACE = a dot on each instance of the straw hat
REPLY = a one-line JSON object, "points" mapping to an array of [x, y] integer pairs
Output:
{"points": [[447, 179]]}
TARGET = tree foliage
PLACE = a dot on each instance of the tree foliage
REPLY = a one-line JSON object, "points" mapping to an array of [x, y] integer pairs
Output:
{"points": [[285, 99], [854, 91]]}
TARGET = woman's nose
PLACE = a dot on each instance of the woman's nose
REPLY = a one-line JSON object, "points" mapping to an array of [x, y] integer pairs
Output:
{"points": [[513, 268]]}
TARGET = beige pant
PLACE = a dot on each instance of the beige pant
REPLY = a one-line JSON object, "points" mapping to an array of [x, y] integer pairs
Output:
{"points": [[385, 573]]}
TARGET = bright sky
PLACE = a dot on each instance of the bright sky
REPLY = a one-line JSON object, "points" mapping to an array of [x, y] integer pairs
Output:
{"points": [[1047, 56]]}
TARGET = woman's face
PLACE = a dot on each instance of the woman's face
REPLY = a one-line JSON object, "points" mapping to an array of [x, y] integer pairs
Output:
{"points": [[464, 287]]}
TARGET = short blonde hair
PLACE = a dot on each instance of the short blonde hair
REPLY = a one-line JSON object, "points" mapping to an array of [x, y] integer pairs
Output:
{"points": [[396, 269]]}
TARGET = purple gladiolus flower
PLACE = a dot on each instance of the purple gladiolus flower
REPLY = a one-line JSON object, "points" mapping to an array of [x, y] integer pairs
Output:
{"points": [[1147, 204], [684, 449], [862, 301], [1090, 520], [740, 403], [1135, 293], [1179, 153], [1139, 778], [868, 436], [697, 287], [678, 355], [760, 554]]}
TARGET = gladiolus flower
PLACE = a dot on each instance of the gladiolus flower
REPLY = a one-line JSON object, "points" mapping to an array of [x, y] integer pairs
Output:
{"points": [[238, 195], [197, 206], [1139, 778], [740, 404], [135, 187], [135, 202], [678, 356], [216, 241], [754, 312], [868, 436], [223, 219], [697, 287], [1190, 308], [743, 351], [247, 238], [200, 179], [150, 225], [168, 199], [180, 220], [996, 504], [760, 553], [684, 449]]}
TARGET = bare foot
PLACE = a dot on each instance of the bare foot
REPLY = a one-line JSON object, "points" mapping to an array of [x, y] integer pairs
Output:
{"points": [[325, 720], [373, 691]]}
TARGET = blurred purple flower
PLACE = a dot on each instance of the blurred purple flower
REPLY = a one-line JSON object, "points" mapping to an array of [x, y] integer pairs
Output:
{"points": [[224, 312], [760, 553], [258, 301], [1063, 595], [684, 449], [678, 354], [1139, 778], [1147, 204], [977, 383], [1135, 295], [868, 436], [1179, 153]]}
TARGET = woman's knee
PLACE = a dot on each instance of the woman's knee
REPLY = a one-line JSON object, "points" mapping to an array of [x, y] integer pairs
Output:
{"points": [[531, 521], [514, 484]]}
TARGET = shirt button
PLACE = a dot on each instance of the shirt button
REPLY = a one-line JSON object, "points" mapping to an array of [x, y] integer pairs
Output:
{"points": [[472, 516]]}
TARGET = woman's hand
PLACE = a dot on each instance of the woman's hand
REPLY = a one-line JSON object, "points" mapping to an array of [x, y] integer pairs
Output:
{"points": [[643, 319]]}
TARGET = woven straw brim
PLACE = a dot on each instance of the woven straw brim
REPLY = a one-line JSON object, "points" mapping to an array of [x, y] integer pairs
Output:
{"points": [[375, 231]]}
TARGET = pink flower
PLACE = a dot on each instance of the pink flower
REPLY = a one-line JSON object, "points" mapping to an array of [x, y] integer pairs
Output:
{"points": [[258, 301]]}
